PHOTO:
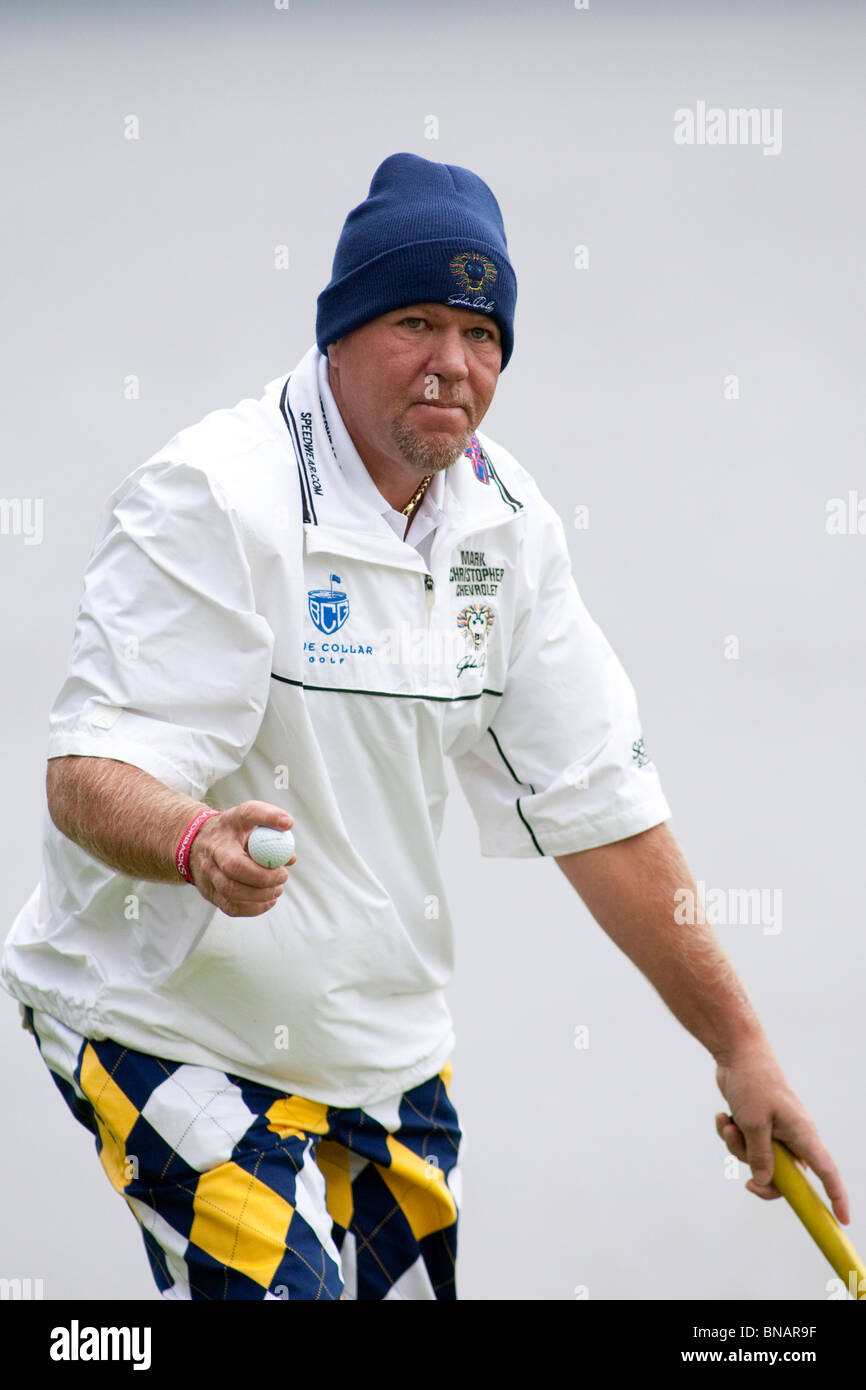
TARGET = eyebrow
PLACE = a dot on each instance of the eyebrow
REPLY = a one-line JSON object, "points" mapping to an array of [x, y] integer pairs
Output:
{"points": [[481, 320]]}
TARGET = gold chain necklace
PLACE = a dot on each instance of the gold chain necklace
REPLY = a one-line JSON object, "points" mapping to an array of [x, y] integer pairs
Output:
{"points": [[413, 501]]}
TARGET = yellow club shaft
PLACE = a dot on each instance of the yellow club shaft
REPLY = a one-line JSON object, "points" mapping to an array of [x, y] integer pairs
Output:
{"points": [[819, 1220]]}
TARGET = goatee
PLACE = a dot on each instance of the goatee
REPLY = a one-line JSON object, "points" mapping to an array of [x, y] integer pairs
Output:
{"points": [[429, 455]]}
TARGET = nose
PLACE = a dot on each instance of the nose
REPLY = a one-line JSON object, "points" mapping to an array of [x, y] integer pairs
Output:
{"points": [[448, 356]]}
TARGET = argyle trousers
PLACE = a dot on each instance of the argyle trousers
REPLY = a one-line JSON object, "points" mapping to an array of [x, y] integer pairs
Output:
{"points": [[246, 1192]]}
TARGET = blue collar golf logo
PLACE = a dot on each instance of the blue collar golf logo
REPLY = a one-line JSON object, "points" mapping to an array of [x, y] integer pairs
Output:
{"points": [[329, 608]]}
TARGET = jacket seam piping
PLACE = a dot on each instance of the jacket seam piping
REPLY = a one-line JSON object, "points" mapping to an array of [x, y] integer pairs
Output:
{"points": [[520, 783], [390, 694]]}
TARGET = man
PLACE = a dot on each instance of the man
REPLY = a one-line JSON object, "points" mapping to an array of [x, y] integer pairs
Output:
{"points": [[293, 613]]}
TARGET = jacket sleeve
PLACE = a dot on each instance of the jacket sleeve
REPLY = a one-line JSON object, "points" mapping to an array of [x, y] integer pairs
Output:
{"points": [[562, 764], [170, 662]]}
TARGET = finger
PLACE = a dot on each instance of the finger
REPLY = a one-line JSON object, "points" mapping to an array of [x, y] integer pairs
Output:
{"points": [[732, 1135], [232, 908], [764, 1190], [259, 900], [235, 891], [819, 1160], [759, 1154], [240, 868], [240, 909], [735, 1140]]}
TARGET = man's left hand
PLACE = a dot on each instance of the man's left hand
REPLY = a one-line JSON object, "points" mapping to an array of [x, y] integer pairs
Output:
{"points": [[763, 1107]]}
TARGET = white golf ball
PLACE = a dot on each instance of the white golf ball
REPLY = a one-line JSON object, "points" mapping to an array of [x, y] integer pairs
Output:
{"points": [[270, 848]]}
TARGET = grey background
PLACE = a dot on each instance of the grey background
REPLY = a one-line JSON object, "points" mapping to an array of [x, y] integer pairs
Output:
{"points": [[598, 1168]]}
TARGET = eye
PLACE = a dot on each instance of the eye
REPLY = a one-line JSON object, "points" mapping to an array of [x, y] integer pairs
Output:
{"points": [[478, 329], [412, 318]]}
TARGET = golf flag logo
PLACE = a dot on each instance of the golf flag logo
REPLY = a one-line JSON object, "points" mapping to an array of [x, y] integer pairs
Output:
{"points": [[329, 608]]}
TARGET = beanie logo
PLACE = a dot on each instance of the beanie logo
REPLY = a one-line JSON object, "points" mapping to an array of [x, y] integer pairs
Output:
{"points": [[473, 273]]}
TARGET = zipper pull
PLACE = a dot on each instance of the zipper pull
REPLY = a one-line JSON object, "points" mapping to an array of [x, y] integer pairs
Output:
{"points": [[429, 586]]}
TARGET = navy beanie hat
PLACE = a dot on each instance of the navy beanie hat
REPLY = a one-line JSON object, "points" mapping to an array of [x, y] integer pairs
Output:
{"points": [[427, 232]]}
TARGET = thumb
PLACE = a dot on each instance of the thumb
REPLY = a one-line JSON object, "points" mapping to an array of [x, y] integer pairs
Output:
{"points": [[253, 813]]}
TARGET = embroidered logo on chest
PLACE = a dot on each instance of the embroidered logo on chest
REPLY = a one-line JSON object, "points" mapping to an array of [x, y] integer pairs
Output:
{"points": [[475, 623], [474, 577]]}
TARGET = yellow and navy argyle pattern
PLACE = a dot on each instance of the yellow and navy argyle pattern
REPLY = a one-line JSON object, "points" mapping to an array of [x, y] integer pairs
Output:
{"points": [[244, 1192]]}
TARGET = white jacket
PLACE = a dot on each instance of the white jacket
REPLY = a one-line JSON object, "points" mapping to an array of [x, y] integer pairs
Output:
{"points": [[251, 627]]}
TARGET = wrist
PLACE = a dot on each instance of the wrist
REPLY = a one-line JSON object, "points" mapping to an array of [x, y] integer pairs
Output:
{"points": [[748, 1044], [186, 841]]}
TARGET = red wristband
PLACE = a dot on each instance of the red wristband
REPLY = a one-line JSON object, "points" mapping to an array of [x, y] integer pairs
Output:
{"points": [[181, 857]]}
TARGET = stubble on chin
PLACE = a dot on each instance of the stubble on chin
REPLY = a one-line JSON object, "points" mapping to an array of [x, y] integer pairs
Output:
{"points": [[429, 455]]}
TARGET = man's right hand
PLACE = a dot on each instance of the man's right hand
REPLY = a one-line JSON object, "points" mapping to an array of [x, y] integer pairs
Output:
{"points": [[222, 870]]}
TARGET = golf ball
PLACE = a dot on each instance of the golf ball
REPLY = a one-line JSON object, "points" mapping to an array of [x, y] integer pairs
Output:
{"points": [[270, 848]]}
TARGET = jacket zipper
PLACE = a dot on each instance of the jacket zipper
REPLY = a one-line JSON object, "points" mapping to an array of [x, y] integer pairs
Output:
{"points": [[430, 590]]}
